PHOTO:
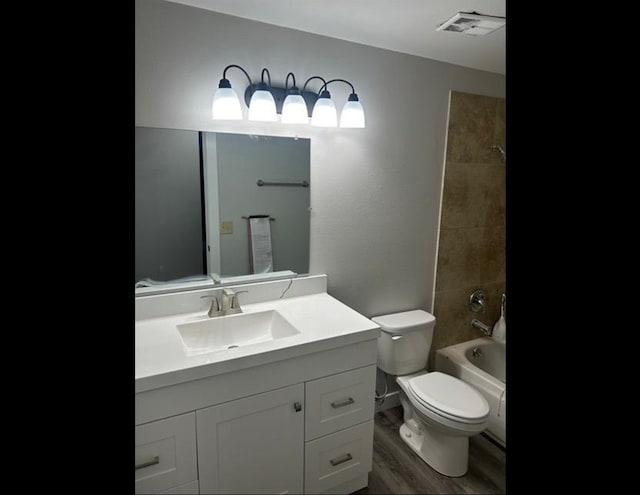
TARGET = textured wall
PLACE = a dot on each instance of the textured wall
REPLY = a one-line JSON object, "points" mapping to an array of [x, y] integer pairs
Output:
{"points": [[471, 249], [375, 192]]}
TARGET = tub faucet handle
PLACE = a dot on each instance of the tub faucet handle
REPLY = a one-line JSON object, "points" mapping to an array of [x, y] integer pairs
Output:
{"points": [[477, 302]]}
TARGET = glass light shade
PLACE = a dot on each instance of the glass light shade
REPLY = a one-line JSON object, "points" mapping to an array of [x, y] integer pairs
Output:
{"points": [[262, 106], [294, 110], [352, 115], [324, 113], [226, 105]]}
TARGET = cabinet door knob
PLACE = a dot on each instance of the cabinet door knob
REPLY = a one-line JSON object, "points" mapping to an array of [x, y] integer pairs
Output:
{"points": [[297, 406]]}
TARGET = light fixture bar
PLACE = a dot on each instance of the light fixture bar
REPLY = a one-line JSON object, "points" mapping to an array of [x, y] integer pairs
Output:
{"points": [[295, 106]]}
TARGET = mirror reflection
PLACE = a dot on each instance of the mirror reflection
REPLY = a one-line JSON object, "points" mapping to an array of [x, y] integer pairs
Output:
{"points": [[218, 204]]}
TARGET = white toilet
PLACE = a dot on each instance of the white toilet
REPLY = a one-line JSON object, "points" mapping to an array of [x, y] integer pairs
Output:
{"points": [[441, 412]]}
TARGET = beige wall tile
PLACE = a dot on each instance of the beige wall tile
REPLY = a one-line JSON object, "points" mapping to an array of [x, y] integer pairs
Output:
{"points": [[500, 134], [457, 259], [472, 247], [457, 197], [494, 297], [488, 198], [471, 128], [492, 255]]}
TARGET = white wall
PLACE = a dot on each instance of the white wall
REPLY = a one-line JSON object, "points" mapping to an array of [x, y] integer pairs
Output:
{"points": [[375, 192]]}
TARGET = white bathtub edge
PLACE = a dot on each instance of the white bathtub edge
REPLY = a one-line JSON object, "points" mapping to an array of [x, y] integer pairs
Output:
{"points": [[452, 361]]}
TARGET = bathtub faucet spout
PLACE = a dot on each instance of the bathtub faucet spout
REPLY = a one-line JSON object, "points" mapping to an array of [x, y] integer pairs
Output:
{"points": [[481, 326]]}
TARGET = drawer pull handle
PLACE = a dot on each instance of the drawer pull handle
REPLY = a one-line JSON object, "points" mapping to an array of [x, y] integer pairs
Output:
{"points": [[340, 460], [297, 406], [155, 460], [342, 403]]}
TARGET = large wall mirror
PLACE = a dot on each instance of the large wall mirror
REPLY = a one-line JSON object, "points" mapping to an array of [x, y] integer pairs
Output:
{"points": [[219, 204]]}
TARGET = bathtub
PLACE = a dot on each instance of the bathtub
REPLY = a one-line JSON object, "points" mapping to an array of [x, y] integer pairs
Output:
{"points": [[481, 363]]}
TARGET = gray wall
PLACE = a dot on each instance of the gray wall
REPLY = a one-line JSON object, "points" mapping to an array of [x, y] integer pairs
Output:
{"points": [[375, 192], [242, 160], [167, 198]]}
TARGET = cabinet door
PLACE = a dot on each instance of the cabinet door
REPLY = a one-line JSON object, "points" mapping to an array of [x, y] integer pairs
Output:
{"points": [[254, 444]]}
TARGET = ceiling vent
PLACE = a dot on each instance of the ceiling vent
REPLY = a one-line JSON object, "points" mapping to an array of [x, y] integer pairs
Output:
{"points": [[472, 23]]}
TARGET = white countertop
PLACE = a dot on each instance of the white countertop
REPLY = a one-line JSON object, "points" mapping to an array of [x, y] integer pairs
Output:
{"points": [[323, 322]]}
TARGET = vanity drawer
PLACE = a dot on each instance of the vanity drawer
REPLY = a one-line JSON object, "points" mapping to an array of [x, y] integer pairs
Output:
{"points": [[337, 458], [165, 454], [339, 401]]}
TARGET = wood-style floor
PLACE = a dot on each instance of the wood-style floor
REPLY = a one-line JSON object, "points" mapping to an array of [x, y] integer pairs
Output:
{"points": [[396, 469]]}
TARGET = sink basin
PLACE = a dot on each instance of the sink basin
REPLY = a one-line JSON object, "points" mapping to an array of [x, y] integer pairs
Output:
{"points": [[239, 330]]}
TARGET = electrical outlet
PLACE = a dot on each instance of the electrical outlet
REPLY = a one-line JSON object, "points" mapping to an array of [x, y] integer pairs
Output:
{"points": [[226, 227]]}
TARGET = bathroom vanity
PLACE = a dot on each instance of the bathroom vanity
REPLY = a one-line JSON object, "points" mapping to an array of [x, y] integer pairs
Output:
{"points": [[284, 405]]}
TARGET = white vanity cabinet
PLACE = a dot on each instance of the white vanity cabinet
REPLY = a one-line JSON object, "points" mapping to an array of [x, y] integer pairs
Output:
{"points": [[253, 445], [288, 415], [300, 425]]}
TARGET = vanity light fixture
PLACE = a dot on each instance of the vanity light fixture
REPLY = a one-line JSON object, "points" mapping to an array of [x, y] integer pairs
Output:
{"points": [[294, 108], [324, 111], [265, 101], [226, 104], [262, 106], [352, 114]]}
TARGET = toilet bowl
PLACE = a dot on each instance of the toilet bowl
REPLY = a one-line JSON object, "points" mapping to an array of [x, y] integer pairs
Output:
{"points": [[440, 411]]}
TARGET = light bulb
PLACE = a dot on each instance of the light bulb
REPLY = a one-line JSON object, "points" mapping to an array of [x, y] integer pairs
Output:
{"points": [[324, 111], [262, 106], [352, 113], [294, 110], [226, 104]]}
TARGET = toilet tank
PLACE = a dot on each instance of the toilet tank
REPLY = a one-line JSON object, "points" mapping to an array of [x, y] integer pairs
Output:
{"points": [[405, 341]]}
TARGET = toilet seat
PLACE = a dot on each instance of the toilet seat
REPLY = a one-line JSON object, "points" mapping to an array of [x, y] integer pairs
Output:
{"points": [[448, 397]]}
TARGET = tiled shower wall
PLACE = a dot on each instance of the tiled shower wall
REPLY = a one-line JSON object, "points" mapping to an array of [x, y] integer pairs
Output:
{"points": [[471, 252]]}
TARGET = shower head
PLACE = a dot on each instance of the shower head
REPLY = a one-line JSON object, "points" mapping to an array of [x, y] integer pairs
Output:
{"points": [[495, 147]]}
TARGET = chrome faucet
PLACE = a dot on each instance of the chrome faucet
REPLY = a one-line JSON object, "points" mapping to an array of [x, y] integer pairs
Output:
{"points": [[481, 326], [230, 303], [214, 309]]}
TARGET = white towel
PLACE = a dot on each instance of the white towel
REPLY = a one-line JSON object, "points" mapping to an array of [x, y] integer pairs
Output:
{"points": [[260, 242]]}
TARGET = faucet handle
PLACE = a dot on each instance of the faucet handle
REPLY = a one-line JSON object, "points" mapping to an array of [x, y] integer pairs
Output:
{"points": [[215, 308], [235, 304], [230, 303]]}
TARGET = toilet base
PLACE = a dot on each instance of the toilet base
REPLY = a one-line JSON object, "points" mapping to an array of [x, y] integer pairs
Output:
{"points": [[447, 454]]}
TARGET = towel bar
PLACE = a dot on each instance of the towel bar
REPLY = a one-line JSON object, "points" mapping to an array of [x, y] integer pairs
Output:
{"points": [[259, 216], [261, 183]]}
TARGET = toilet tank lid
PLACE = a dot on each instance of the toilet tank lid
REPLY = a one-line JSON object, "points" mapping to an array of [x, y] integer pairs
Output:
{"points": [[406, 321]]}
